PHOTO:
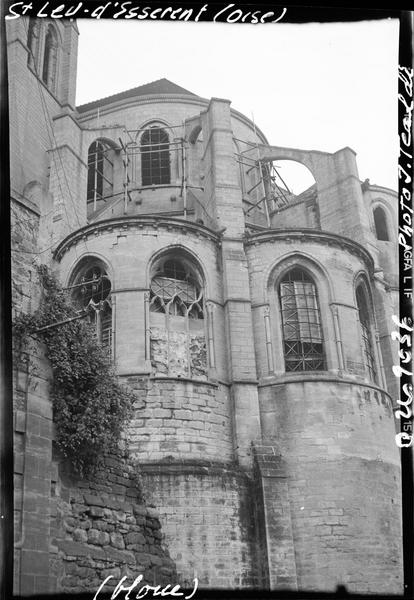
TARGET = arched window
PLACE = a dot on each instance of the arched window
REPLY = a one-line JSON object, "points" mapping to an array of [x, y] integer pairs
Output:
{"points": [[155, 157], [178, 344], [33, 42], [366, 333], [49, 70], [100, 173], [301, 322], [380, 221], [92, 292]]}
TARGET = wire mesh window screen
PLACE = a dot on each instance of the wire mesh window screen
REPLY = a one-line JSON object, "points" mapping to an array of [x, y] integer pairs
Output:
{"points": [[302, 331], [155, 157], [366, 336]]}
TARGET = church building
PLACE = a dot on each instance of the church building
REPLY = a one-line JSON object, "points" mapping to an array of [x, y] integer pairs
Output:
{"points": [[252, 324]]}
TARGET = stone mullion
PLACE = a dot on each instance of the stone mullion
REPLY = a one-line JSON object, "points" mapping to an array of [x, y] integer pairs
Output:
{"points": [[338, 338], [147, 326], [210, 335], [268, 334], [187, 341], [382, 378]]}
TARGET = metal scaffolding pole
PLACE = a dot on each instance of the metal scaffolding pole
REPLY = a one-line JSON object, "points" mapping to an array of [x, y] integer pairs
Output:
{"points": [[184, 184], [261, 181]]}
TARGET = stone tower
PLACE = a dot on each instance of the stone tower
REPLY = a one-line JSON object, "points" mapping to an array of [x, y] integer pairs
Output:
{"points": [[253, 324]]}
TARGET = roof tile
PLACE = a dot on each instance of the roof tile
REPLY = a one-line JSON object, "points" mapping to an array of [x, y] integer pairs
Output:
{"points": [[160, 86]]}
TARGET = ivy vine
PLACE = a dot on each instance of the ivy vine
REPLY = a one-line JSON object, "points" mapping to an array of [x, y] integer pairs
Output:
{"points": [[90, 406]]}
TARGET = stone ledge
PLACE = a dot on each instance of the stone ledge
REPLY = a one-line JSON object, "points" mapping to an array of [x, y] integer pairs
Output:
{"points": [[304, 377], [125, 222], [195, 382], [192, 467], [311, 235]]}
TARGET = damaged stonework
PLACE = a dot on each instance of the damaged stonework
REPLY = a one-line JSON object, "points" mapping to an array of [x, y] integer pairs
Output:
{"points": [[101, 527], [178, 353], [198, 356]]}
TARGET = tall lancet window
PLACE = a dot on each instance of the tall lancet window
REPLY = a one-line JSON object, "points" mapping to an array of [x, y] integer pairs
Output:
{"points": [[301, 322], [92, 292], [155, 157], [49, 70], [366, 334], [178, 341], [380, 221], [33, 42], [100, 174]]}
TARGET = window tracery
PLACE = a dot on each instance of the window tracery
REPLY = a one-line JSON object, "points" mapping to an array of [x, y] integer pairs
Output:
{"points": [[178, 344], [92, 293]]}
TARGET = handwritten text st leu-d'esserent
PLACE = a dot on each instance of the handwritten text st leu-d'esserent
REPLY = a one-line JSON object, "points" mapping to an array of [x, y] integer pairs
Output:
{"points": [[128, 9]]}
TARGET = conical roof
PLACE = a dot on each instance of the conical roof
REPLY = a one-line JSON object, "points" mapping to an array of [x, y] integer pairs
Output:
{"points": [[158, 87]]}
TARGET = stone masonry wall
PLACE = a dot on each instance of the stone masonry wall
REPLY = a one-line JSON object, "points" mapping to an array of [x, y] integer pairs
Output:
{"points": [[301, 213], [24, 232], [180, 419], [341, 474], [69, 534], [101, 527], [32, 415], [208, 517]]}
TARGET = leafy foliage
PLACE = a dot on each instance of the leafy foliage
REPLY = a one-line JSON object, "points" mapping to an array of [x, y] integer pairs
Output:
{"points": [[90, 405]]}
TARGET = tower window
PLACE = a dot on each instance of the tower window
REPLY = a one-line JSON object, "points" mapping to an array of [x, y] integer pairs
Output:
{"points": [[366, 334], [50, 58], [380, 222], [100, 173], [155, 157], [92, 292], [302, 332], [32, 42]]}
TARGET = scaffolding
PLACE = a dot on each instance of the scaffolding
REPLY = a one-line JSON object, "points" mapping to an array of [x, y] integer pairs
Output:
{"points": [[266, 191], [263, 188], [132, 150]]}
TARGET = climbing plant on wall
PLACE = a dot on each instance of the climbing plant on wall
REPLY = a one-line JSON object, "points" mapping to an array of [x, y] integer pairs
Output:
{"points": [[90, 406]]}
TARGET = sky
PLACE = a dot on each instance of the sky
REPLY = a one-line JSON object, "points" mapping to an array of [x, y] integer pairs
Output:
{"points": [[310, 86]]}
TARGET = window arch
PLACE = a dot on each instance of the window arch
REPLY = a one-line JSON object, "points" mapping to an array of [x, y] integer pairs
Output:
{"points": [[177, 329], [365, 323], [380, 221], [303, 345], [155, 157], [91, 291], [100, 173], [50, 56], [33, 42]]}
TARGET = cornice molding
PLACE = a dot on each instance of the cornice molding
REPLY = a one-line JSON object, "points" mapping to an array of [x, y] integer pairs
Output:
{"points": [[306, 377], [134, 221], [306, 235]]}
